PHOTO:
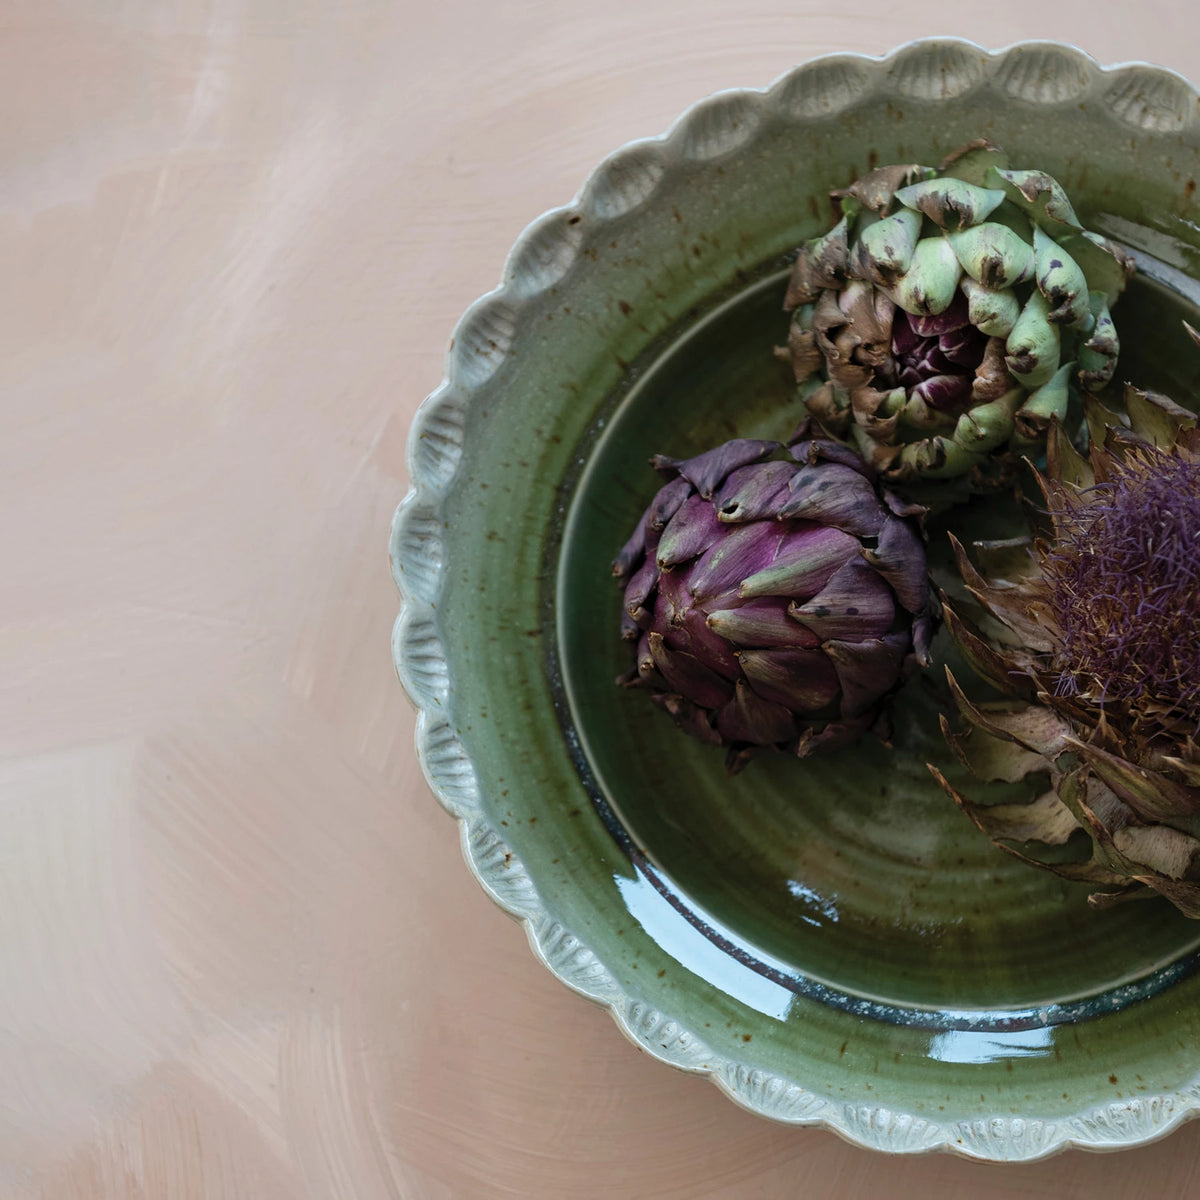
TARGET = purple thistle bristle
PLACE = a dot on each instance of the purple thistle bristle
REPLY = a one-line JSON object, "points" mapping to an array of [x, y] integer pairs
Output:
{"points": [[1125, 588]]}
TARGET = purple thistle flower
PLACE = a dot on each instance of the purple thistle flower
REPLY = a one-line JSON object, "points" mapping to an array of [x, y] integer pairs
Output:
{"points": [[1100, 661], [1124, 577]]}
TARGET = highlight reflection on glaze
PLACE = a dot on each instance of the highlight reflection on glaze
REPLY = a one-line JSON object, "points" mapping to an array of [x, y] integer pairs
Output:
{"points": [[699, 954], [970, 1046]]}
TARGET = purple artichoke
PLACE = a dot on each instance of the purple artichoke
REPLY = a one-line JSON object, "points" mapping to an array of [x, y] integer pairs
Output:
{"points": [[776, 596]]}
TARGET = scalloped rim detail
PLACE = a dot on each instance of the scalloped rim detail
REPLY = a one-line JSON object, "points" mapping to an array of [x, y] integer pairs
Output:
{"points": [[1141, 95]]}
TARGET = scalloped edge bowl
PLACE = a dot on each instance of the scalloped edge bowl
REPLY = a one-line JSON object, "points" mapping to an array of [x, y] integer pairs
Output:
{"points": [[1143, 98]]}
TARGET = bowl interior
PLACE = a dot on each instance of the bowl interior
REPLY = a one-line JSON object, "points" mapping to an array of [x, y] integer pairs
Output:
{"points": [[830, 938], [853, 869]]}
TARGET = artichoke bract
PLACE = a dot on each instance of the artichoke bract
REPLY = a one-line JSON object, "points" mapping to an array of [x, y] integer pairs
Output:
{"points": [[1095, 641], [776, 595], [948, 316]]}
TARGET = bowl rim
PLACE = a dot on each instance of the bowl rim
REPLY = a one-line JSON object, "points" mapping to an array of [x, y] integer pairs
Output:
{"points": [[423, 669]]}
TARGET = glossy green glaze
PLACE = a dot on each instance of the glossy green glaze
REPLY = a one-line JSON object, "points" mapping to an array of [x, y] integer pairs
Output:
{"points": [[850, 867], [829, 938]]}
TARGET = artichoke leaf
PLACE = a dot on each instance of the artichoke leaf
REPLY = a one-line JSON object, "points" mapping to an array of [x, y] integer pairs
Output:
{"points": [[1106, 268], [1098, 355], [972, 162], [1045, 819], [983, 660], [1099, 420], [1164, 850], [993, 255], [992, 759], [1043, 405], [1031, 726], [884, 251], [1008, 603], [1035, 344], [951, 203], [931, 281], [1156, 418], [1007, 559], [875, 189], [992, 311], [822, 263], [1185, 896], [1064, 462], [1041, 195], [1131, 891], [1061, 280], [1151, 794]]}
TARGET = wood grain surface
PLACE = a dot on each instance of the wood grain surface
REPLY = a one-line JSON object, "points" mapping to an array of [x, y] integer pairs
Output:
{"points": [[242, 956]]}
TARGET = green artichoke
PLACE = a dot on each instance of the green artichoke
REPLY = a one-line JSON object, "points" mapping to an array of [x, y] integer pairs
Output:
{"points": [[1094, 639], [946, 318], [775, 596]]}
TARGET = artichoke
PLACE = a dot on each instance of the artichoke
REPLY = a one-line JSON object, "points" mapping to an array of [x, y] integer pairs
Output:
{"points": [[946, 318], [1095, 643], [776, 595]]}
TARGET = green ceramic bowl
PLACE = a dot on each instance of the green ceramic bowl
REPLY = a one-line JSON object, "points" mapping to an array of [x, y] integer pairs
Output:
{"points": [[829, 940]]}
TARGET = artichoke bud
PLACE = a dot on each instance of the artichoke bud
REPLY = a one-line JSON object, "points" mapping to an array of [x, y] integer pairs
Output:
{"points": [[1034, 346], [1041, 195], [951, 203], [1061, 281], [929, 284], [1098, 355], [992, 312], [883, 251], [938, 293], [993, 255], [1047, 403], [987, 426]]}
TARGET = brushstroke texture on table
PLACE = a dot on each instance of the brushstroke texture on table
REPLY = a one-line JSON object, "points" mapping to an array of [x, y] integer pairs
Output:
{"points": [[241, 954]]}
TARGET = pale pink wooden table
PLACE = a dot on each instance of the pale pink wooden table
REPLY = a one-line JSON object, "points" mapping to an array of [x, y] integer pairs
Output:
{"points": [[241, 954]]}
